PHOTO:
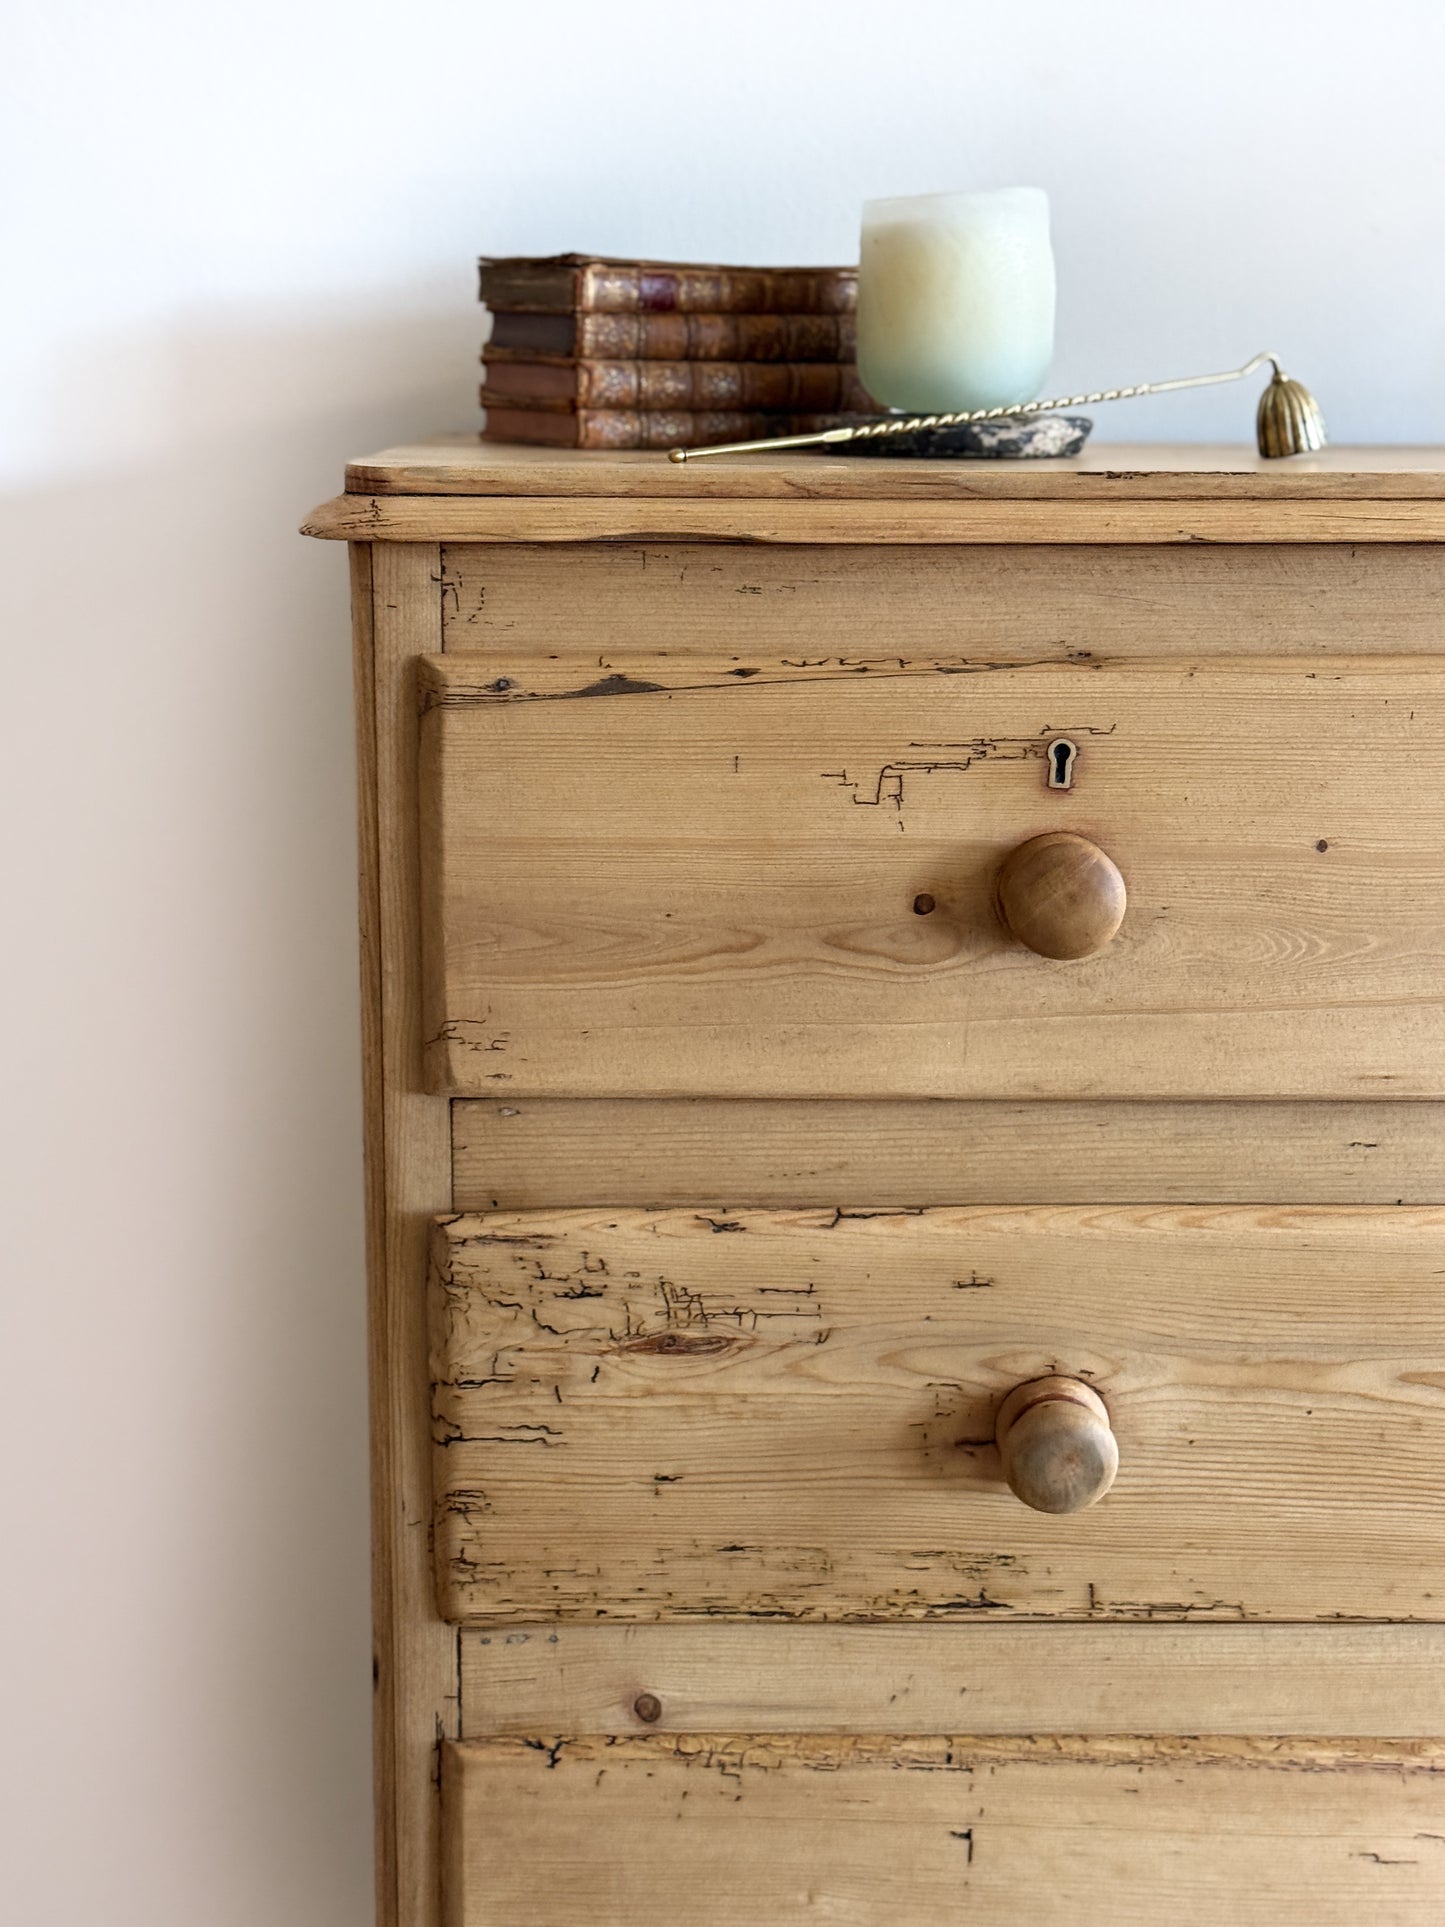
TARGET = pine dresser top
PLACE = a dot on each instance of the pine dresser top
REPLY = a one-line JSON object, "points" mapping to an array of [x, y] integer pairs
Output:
{"points": [[460, 488]]}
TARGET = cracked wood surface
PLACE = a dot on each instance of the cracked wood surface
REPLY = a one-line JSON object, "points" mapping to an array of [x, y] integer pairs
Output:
{"points": [[715, 888], [1325, 1681], [789, 1415], [717, 1830], [558, 1151], [969, 605]]}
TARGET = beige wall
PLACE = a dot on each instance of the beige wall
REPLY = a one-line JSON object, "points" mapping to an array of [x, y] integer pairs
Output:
{"points": [[237, 248]]}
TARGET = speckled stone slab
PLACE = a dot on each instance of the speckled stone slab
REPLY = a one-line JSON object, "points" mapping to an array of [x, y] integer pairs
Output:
{"points": [[1013, 437]]}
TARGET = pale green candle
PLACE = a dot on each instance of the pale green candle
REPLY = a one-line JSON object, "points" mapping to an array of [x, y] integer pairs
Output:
{"points": [[956, 300]]}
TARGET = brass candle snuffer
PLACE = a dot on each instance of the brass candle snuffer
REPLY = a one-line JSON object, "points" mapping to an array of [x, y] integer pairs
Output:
{"points": [[1288, 421]]}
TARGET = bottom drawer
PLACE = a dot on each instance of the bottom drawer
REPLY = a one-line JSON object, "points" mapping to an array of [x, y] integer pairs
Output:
{"points": [[736, 1831]]}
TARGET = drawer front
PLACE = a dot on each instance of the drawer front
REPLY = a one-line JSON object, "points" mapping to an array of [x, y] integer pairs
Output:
{"points": [[793, 1414], [1018, 603], [717, 1831], [1326, 1681], [737, 876]]}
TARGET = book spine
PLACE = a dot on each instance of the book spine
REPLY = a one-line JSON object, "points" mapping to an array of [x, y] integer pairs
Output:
{"points": [[790, 385], [613, 288], [715, 337], [683, 428], [628, 428]]}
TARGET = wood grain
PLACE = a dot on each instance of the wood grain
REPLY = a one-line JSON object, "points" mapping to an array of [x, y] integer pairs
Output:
{"points": [[497, 518], [790, 1414], [717, 890], [857, 609], [717, 1830], [526, 1153], [1148, 471], [1318, 1681], [408, 1179]]}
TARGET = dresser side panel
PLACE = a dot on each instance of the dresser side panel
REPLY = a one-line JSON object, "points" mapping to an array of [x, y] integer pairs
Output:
{"points": [[409, 1179]]}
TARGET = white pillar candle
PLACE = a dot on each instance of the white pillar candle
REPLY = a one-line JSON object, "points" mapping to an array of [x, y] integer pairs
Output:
{"points": [[956, 300]]}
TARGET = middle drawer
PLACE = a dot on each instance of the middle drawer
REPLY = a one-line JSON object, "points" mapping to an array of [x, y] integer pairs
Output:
{"points": [[658, 1415], [728, 876]]}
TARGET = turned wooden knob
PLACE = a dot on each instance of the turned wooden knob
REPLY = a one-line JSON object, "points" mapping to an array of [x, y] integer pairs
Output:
{"points": [[1061, 895], [1058, 1449]]}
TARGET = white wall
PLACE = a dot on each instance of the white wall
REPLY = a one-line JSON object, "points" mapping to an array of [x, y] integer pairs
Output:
{"points": [[238, 247]]}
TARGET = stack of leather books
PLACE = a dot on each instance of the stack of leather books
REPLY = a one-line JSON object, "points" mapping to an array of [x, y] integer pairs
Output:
{"points": [[593, 353]]}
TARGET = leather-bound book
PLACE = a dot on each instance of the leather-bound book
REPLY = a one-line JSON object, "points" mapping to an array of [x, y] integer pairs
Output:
{"points": [[676, 337], [618, 428], [580, 283], [794, 386]]}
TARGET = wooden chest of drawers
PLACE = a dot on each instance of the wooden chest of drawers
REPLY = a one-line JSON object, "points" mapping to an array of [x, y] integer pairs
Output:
{"points": [[906, 1142]]}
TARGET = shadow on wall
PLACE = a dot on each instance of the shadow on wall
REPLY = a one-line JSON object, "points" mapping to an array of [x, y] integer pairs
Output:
{"points": [[187, 1182]]}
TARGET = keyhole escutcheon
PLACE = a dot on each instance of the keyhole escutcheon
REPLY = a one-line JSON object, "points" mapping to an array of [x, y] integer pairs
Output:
{"points": [[1062, 757]]}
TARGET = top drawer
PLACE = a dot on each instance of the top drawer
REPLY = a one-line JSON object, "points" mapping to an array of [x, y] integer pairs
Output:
{"points": [[726, 875]]}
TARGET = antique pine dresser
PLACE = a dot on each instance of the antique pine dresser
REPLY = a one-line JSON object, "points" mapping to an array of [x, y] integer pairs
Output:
{"points": [[905, 1047]]}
